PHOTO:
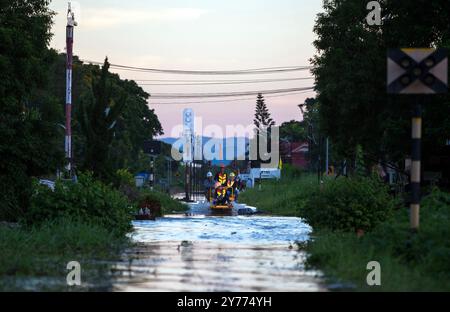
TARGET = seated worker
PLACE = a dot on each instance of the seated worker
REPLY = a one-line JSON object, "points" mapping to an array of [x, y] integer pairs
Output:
{"points": [[220, 196], [221, 177], [232, 187], [209, 186]]}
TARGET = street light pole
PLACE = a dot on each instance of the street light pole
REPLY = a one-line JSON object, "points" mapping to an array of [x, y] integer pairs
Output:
{"points": [[327, 161]]}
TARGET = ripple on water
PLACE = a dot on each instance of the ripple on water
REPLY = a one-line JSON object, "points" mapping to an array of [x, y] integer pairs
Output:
{"points": [[201, 253], [243, 230]]}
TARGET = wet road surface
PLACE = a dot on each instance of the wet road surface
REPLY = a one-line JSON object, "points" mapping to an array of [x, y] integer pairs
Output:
{"points": [[205, 253]]}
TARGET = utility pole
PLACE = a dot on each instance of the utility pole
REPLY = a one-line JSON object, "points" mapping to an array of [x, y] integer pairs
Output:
{"points": [[327, 160], [319, 161], [152, 172], [69, 64]]}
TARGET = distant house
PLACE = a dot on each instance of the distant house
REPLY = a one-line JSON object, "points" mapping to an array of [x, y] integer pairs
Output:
{"points": [[295, 153]]}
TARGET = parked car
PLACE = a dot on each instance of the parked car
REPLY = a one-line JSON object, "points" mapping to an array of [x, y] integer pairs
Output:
{"points": [[49, 183]]}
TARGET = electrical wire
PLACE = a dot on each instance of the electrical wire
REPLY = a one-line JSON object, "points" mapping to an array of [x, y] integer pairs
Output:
{"points": [[230, 82], [264, 70], [229, 100], [227, 94], [214, 80]]}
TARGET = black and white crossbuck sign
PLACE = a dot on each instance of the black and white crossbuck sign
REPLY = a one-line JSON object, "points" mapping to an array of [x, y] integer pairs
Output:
{"points": [[417, 71]]}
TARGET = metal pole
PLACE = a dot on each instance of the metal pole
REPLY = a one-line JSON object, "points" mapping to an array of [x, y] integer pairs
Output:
{"points": [[152, 173], [319, 160], [186, 180], [168, 176], [416, 165], [327, 161], [191, 182], [69, 64]]}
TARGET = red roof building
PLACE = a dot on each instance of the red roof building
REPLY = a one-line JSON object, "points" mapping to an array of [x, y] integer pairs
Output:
{"points": [[295, 153]]}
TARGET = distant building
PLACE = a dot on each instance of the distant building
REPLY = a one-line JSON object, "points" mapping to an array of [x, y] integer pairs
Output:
{"points": [[295, 154]]}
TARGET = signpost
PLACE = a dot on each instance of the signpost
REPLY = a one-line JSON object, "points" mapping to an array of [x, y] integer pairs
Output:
{"points": [[188, 135], [152, 148], [417, 72]]}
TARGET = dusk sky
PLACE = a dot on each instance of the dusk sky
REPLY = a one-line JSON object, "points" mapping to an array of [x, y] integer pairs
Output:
{"points": [[199, 35]]}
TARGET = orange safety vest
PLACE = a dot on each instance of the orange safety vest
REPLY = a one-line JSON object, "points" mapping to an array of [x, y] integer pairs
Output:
{"points": [[222, 178], [221, 192], [230, 183]]}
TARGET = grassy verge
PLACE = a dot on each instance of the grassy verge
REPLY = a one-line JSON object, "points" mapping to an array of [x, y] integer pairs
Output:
{"points": [[35, 258], [280, 198], [168, 204], [409, 262]]}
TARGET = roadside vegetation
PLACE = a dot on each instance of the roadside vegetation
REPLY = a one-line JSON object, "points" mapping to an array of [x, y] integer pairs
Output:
{"points": [[409, 262], [355, 221], [35, 257], [85, 221], [41, 229], [284, 197]]}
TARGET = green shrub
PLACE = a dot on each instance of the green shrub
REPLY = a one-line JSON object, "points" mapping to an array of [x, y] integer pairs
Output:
{"points": [[124, 177], [87, 200], [43, 251], [430, 247], [168, 204], [410, 262], [349, 204], [284, 198], [291, 172]]}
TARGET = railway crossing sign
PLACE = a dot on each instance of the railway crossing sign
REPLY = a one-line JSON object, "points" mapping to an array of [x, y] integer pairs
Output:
{"points": [[417, 71]]}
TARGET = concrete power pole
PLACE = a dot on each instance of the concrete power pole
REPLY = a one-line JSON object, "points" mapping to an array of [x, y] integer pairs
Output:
{"points": [[69, 52]]}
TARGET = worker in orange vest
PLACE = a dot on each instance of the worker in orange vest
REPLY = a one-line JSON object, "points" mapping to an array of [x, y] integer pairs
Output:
{"points": [[221, 177]]}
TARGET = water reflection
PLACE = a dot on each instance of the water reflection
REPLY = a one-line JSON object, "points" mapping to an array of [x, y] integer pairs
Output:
{"points": [[217, 254]]}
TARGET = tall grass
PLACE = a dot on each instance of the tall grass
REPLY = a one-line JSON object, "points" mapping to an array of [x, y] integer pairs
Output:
{"points": [[168, 204], [285, 197], [409, 262], [45, 250]]}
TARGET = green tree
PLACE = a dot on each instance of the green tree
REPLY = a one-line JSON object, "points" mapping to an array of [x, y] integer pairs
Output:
{"points": [[135, 124], [99, 118], [262, 118], [25, 123], [350, 71], [264, 124], [293, 131]]}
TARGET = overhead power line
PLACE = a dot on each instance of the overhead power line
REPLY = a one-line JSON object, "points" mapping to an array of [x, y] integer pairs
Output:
{"points": [[213, 82], [227, 94], [253, 71], [229, 100]]}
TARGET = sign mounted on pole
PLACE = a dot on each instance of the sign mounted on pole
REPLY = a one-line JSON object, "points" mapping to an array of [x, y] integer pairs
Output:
{"points": [[188, 134], [417, 71]]}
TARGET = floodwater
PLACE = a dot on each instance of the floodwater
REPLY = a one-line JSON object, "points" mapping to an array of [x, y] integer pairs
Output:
{"points": [[206, 253]]}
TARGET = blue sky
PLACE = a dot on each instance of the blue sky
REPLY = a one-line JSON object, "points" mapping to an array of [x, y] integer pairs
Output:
{"points": [[199, 35]]}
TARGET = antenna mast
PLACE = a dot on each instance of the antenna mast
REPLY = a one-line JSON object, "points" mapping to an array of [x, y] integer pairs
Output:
{"points": [[69, 62]]}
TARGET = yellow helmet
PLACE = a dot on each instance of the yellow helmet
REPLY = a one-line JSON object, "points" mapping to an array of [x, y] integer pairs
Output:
{"points": [[232, 175]]}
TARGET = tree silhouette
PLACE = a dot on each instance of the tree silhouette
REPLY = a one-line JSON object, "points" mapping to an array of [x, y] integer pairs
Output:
{"points": [[263, 123], [98, 123], [262, 119]]}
